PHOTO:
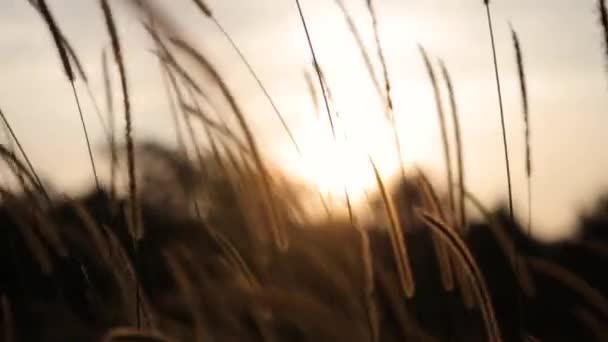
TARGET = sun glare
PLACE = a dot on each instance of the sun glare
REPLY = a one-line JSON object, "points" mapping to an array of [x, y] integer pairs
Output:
{"points": [[335, 164]]}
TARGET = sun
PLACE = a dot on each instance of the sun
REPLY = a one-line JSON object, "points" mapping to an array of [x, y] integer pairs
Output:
{"points": [[342, 162]]}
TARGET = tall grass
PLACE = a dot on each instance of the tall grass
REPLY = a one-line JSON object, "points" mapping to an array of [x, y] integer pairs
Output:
{"points": [[134, 219], [482, 292], [398, 244], [526, 116], [462, 222], [61, 45], [500, 106], [207, 278]]}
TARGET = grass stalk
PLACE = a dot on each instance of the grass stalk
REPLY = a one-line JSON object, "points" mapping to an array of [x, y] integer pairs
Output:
{"points": [[462, 251], [462, 222], [316, 66], [443, 127], [280, 236], [134, 220], [404, 269]]}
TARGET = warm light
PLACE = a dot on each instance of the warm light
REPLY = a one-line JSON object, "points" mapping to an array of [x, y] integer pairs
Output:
{"points": [[336, 164]]}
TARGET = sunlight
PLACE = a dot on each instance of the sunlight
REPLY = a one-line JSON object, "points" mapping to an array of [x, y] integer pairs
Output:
{"points": [[342, 163]]}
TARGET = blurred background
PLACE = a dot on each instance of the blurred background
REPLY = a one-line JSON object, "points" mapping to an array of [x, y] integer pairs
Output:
{"points": [[562, 55]]}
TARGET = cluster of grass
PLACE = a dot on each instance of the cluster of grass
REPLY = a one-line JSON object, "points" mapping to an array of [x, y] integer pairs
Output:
{"points": [[210, 244]]}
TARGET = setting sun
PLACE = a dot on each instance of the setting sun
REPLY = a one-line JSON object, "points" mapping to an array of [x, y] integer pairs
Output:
{"points": [[335, 164]]}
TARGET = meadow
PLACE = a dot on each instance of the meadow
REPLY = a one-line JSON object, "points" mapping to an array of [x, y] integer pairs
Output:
{"points": [[211, 242]]}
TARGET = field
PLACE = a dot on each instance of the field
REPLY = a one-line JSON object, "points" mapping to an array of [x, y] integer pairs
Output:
{"points": [[211, 242]]}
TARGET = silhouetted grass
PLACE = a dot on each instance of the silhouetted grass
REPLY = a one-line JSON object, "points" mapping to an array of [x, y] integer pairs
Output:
{"points": [[81, 269]]}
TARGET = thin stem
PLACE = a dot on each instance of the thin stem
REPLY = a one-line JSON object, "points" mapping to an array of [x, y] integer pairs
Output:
{"points": [[259, 82], [86, 136], [506, 150], [25, 157], [317, 67], [500, 105]]}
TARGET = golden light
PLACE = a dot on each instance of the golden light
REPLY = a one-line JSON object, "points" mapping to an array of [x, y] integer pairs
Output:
{"points": [[335, 164]]}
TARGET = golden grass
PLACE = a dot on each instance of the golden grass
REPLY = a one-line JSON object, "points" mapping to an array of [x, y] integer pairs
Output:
{"points": [[520, 268], [275, 223], [468, 261], [443, 128], [431, 201], [462, 222], [118, 59], [404, 269]]}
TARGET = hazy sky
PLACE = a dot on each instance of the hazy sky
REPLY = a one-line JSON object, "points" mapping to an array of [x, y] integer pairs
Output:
{"points": [[562, 50]]}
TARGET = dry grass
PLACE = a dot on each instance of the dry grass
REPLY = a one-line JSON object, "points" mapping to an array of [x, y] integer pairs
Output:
{"points": [[208, 277], [462, 222], [402, 259], [481, 291], [443, 128]]}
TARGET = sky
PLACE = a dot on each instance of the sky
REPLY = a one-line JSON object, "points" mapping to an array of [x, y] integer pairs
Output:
{"points": [[563, 58]]}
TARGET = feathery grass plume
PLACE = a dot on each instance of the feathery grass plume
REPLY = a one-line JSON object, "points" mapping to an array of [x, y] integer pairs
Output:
{"points": [[205, 9], [404, 268], [524, 96], [190, 294], [128, 334], [134, 218], [83, 76], [61, 43], [592, 296], [19, 168], [443, 126], [277, 231], [519, 266], [316, 66], [118, 59], [107, 81], [431, 200], [56, 34], [8, 324], [461, 250], [526, 114], [352, 27], [603, 12], [595, 325], [30, 167], [459, 150], [500, 107]]}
